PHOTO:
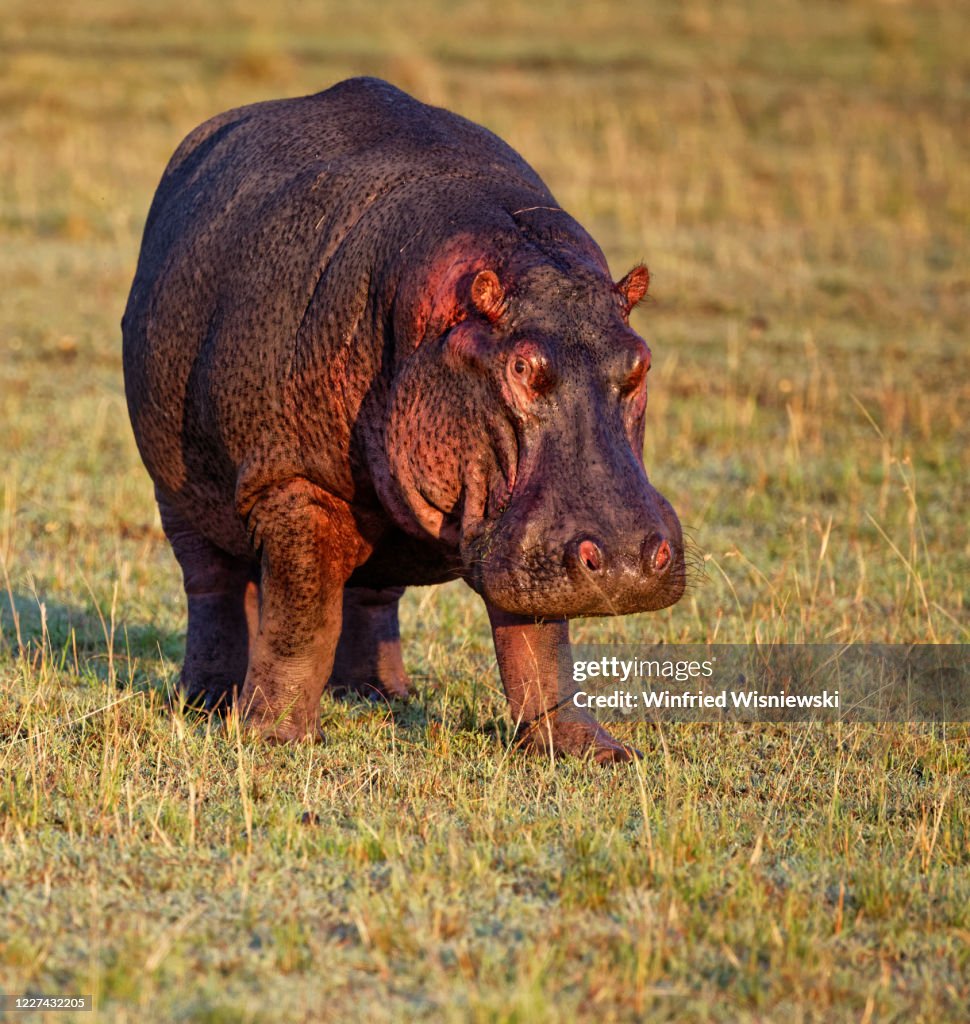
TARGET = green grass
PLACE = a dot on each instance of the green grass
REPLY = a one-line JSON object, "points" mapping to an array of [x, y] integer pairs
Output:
{"points": [[795, 175]]}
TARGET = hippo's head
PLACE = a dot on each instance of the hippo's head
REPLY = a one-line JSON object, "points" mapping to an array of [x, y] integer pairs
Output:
{"points": [[516, 434]]}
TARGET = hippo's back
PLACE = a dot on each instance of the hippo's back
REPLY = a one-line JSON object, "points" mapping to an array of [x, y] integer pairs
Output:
{"points": [[270, 219]]}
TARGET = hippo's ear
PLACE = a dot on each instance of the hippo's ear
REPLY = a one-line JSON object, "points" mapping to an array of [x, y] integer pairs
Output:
{"points": [[487, 295], [634, 286]]}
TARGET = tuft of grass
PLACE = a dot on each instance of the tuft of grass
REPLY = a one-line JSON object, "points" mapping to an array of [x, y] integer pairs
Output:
{"points": [[795, 177]]}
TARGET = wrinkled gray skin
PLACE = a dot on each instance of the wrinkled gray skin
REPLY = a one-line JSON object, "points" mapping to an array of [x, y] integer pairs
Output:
{"points": [[365, 349]]}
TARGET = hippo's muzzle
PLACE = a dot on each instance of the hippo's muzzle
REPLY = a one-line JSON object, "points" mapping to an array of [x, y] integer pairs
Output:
{"points": [[595, 569]]}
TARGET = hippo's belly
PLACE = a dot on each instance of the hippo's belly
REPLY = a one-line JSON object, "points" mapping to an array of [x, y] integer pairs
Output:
{"points": [[400, 560]]}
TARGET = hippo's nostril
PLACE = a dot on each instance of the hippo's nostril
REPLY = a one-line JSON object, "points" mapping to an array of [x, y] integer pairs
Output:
{"points": [[590, 555], [661, 556], [657, 555]]}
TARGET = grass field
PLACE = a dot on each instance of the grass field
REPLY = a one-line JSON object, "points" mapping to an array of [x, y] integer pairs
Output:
{"points": [[797, 177]]}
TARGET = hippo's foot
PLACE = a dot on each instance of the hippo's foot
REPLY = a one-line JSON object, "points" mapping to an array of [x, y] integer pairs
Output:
{"points": [[568, 731], [280, 707], [281, 731], [368, 661], [207, 694]]}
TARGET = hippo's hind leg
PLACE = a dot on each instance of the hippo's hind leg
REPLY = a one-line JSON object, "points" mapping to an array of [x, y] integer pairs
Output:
{"points": [[368, 662], [222, 593], [309, 545]]}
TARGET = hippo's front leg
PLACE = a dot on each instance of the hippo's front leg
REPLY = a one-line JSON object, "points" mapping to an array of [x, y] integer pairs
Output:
{"points": [[529, 656], [308, 545]]}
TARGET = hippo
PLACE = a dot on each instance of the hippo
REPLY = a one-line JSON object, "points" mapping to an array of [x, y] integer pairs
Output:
{"points": [[366, 349]]}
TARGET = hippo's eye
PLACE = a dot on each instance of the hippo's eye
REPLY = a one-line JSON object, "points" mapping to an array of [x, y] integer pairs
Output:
{"points": [[636, 369], [634, 378], [530, 371]]}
